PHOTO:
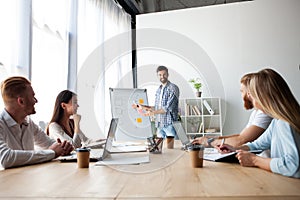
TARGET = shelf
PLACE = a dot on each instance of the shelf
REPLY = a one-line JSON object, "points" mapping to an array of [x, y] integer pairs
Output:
{"points": [[200, 114]]}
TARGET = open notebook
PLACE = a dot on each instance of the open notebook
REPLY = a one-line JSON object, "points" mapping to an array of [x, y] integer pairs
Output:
{"points": [[212, 154]]}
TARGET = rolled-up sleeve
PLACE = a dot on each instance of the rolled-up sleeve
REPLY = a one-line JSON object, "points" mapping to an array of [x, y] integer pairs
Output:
{"points": [[281, 139]]}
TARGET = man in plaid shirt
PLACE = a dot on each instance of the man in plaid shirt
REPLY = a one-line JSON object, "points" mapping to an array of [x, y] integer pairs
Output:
{"points": [[166, 105]]}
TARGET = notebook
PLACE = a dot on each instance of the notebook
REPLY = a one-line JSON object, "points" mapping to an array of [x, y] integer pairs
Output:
{"points": [[212, 154], [181, 134]]}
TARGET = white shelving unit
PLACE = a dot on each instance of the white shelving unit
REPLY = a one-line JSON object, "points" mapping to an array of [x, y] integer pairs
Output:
{"points": [[198, 119]]}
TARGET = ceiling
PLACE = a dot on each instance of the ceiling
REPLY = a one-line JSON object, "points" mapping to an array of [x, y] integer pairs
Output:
{"points": [[136, 7]]}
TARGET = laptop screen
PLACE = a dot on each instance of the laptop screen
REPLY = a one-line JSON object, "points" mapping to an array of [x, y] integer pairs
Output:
{"points": [[181, 132], [110, 137]]}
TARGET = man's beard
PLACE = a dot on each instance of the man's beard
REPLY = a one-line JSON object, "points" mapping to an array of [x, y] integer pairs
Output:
{"points": [[163, 80], [33, 111], [247, 103]]}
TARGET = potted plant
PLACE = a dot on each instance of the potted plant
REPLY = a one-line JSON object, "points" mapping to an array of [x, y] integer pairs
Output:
{"points": [[197, 85]]}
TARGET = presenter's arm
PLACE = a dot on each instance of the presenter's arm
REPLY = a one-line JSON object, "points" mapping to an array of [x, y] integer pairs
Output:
{"points": [[154, 112], [143, 107]]}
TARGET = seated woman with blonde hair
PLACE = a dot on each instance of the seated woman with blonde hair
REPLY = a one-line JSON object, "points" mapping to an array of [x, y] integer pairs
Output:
{"points": [[63, 127], [271, 94]]}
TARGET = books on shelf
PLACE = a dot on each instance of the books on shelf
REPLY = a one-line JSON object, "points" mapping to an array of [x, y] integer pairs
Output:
{"points": [[202, 116], [200, 127], [197, 110], [192, 110]]}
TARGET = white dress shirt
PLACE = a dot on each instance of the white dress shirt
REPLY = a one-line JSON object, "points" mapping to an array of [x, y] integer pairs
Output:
{"points": [[17, 142]]}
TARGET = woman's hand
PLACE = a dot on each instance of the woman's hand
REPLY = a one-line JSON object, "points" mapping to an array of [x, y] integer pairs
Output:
{"points": [[245, 158], [225, 148], [76, 118]]}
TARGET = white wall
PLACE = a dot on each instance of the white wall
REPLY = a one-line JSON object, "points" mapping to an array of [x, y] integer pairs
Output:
{"points": [[233, 38]]}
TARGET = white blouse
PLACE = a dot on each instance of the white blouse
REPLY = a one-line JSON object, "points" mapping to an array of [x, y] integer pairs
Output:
{"points": [[56, 131]]}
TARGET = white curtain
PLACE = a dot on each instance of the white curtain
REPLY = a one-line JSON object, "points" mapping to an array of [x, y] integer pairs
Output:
{"points": [[8, 19], [49, 53], [14, 41], [99, 23]]}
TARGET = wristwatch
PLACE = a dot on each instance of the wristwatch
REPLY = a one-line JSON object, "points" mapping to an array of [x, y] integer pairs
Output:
{"points": [[209, 141]]}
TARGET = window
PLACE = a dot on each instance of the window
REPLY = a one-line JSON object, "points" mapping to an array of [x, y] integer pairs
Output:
{"points": [[49, 53], [98, 22]]}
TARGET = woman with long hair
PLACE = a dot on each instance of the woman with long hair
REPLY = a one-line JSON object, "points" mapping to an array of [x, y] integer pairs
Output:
{"points": [[63, 126], [271, 94]]}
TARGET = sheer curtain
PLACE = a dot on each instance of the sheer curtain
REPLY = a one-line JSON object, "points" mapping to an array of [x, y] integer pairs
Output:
{"points": [[49, 53], [99, 23], [7, 21], [14, 41]]}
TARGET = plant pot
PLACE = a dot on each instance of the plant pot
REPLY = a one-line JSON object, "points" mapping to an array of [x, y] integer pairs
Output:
{"points": [[198, 94]]}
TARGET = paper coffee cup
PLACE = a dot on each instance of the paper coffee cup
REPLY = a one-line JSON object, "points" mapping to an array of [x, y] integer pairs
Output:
{"points": [[170, 142], [196, 155], [83, 157]]}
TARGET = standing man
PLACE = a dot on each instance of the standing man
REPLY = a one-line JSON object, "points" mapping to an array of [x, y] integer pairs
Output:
{"points": [[18, 133], [166, 105]]}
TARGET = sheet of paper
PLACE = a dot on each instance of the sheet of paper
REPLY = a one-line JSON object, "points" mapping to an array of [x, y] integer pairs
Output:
{"points": [[125, 159], [129, 148]]}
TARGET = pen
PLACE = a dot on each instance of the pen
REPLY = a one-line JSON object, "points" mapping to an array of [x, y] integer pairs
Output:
{"points": [[222, 142]]}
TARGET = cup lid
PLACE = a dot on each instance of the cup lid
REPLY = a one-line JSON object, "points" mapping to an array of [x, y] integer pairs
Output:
{"points": [[170, 136], [196, 147], [84, 149]]}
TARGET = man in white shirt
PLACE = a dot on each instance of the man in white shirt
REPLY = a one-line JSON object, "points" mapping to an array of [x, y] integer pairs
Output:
{"points": [[18, 133], [257, 124]]}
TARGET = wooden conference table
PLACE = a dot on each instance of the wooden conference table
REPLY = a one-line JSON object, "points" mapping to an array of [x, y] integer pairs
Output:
{"points": [[168, 176]]}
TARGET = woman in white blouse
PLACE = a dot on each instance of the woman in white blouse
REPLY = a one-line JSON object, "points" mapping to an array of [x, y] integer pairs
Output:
{"points": [[65, 122]]}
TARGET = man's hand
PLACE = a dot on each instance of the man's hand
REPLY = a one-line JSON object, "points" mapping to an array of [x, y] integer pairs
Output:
{"points": [[201, 140], [134, 106], [61, 148]]}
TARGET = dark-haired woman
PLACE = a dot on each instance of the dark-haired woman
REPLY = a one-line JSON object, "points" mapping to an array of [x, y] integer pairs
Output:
{"points": [[65, 122]]}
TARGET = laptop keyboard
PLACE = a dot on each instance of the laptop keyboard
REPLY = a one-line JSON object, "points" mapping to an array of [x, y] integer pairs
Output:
{"points": [[96, 153]]}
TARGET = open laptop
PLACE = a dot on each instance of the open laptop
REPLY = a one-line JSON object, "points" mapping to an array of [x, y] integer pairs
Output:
{"points": [[121, 155], [105, 154], [182, 134]]}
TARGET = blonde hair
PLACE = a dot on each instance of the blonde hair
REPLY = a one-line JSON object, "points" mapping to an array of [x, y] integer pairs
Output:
{"points": [[13, 87], [273, 94]]}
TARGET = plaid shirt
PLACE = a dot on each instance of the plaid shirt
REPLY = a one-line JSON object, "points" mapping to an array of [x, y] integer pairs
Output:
{"points": [[169, 103]]}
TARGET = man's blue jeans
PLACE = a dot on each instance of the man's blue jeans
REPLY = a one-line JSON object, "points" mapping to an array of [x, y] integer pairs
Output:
{"points": [[163, 132]]}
